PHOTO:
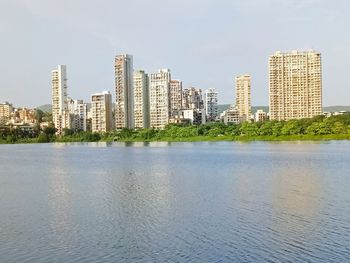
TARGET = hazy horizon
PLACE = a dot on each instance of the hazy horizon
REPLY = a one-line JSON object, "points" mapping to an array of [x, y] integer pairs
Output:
{"points": [[204, 43]]}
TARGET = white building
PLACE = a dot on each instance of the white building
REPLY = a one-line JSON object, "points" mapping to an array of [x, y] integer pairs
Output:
{"points": [[59, 98], [243, 96], [78, 114], [141, 100], [124, 91], [159, 99], [195, 116], [101, 112], [211, 104], [260, 115]]}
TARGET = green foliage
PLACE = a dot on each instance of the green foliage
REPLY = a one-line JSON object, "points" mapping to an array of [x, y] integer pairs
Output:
{"points": [[249, 129], [49, 131], [43, 138], [335, 127], [292, 127]]}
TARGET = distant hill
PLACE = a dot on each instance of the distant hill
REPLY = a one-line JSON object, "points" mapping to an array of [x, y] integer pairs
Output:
{"points": [[45, 108], [336, 108]]}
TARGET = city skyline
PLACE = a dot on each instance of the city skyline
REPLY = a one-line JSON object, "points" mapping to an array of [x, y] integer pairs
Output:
{"points": [[30, 32]]}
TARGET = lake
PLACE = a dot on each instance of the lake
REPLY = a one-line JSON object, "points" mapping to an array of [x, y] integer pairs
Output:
{"points": [[175, 202]]}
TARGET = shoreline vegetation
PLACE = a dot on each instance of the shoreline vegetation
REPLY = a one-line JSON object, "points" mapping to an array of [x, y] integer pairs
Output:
{"points": [[316, 129]]}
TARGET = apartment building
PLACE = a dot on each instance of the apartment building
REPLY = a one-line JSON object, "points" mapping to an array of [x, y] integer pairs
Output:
{"points": [[175, 96], [260, 115], [159, 98], [78, 115], [211, 104], [192, 98], [141, 100], [243, 96], [101, 112], [124, 91], [59, 98], [295, 85]]}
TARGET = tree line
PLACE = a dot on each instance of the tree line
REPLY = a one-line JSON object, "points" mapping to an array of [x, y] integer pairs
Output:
{"points": [[317, 127]]}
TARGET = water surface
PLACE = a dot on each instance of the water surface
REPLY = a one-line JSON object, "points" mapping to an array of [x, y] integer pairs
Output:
{"points": [[175, 202]]}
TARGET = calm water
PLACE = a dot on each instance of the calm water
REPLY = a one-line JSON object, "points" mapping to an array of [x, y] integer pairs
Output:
{"points": [[178, 202]]}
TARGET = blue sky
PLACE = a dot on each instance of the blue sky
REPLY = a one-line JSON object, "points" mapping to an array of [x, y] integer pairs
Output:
{"points": [[205, 43]]}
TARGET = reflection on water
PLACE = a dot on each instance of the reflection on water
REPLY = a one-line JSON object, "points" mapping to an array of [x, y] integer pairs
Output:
{"points": [[60, 198], [175, 202]]}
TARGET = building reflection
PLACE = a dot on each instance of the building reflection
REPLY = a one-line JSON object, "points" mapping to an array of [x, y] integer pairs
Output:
{"points": [[296, 198], [60, 199]]}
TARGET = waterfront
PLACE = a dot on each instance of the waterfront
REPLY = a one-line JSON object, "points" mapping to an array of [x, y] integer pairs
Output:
{"points": [[175, 202]]}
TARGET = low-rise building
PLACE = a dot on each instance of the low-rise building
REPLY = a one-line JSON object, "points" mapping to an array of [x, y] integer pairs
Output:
{"points": [[260, 115], [6, 110], [231, 116]]}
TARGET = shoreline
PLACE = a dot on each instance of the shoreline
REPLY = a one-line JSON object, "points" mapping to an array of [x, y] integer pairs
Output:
{"points": [[330, 137]]}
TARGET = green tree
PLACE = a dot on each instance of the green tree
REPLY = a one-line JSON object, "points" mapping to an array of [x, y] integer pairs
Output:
{"points": [[266, 128], [43, 138], [291, 127], [276, 129], [339, 128], [249, 129]]}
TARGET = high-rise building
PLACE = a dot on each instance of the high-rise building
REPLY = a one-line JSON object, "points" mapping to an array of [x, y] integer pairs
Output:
{"points": [[78, 115], [175, 96], [59, 98], [124, 92], [101, 112], [295, 85], [141, 100], [243, 96], [192, 99], [211, 104], [159, 98]]}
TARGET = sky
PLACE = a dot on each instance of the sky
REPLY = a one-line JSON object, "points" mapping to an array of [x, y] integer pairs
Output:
{"points": [[205, 43]]}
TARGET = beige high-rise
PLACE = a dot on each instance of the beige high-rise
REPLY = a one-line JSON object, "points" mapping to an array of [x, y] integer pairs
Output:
{"points": [[243, 96], [159, 98], [124, 91], [175, 96], [141, 100], [60, 115], [101, 112], [295, 85]]}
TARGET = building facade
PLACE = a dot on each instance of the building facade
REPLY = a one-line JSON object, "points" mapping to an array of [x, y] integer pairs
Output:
{"points": [[175, 96], [159, 98], [59, 98], [124, 92], [78, 115], [243, 96], [141, 100], [101, 112], [295, 85], [192, 98], [6, 110], [260, 115], [231, 116], [211, 104]]}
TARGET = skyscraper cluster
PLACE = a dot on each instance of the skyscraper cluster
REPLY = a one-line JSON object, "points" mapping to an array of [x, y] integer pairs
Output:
{"points": [[141, 101], [154, 100]]}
